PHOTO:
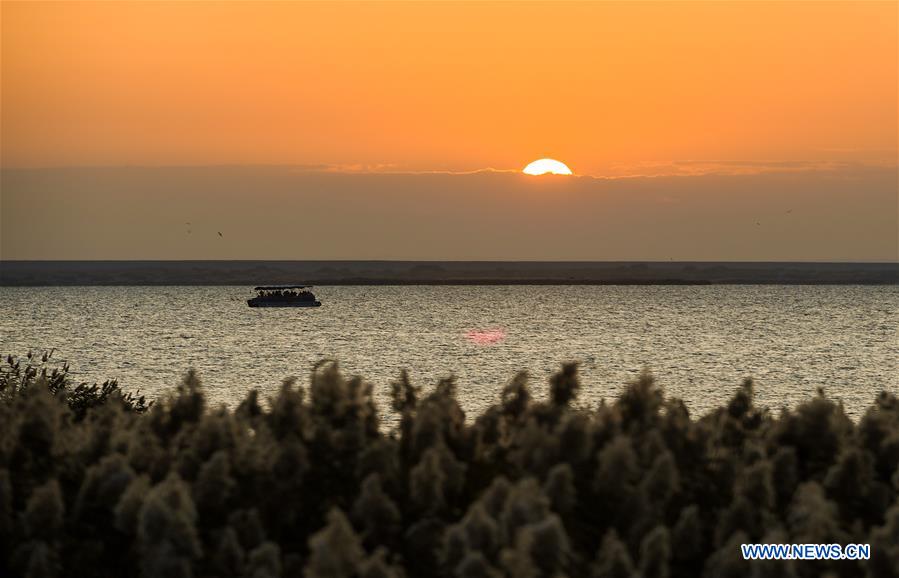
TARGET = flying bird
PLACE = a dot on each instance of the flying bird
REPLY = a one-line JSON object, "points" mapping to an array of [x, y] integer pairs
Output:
{"points": [[220, 233]]}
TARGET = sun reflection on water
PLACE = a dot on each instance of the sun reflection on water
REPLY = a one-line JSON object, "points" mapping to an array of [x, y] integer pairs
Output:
{"points": [[485, 336]]}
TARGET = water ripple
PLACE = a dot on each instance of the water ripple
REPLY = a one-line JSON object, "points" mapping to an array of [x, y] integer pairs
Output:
{"points": [[699, 341]]}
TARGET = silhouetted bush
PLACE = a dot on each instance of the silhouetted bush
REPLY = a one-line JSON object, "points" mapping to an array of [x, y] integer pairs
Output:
{"points": [[312, 484], [38, 370]]}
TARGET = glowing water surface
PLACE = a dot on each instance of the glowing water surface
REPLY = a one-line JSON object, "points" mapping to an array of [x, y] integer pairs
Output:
{"points": [[699, 341]]}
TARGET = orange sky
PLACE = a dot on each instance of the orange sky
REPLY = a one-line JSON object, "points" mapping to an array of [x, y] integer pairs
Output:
{"points": [[609, 88], [748, 130]]}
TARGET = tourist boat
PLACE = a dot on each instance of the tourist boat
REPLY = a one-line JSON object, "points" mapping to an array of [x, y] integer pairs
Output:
{"points": [[284, 296]]}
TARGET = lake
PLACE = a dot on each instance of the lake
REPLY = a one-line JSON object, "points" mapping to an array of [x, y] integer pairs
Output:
{"points": [[699, 341]]}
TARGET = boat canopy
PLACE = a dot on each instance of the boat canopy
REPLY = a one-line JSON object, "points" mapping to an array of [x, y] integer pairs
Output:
{"points": [[280, 287]]}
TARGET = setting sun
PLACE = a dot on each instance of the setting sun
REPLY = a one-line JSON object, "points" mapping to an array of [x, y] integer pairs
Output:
{"points": [[547, 166]]}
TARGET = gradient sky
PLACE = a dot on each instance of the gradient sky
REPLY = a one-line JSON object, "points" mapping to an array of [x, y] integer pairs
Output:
{"points": [[736, 99]]}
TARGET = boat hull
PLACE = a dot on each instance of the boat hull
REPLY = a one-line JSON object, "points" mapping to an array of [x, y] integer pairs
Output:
{"points": [[252, 303]]}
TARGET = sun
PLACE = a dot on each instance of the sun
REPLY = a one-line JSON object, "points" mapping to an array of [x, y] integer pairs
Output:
{"points": [[547, 166]]}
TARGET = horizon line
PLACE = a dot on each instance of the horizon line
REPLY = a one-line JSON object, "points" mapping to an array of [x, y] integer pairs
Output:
{"points": [[524, 261]]}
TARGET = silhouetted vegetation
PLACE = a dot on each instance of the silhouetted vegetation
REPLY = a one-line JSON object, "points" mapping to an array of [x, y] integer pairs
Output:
{"points": [[311, 484], [18, 375]]}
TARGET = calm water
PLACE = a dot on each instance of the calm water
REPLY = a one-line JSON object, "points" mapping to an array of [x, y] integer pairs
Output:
{"points": [[699, 341]]}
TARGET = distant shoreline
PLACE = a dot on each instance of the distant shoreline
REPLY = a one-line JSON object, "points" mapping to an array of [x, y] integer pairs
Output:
{"points": [[215, 273]]}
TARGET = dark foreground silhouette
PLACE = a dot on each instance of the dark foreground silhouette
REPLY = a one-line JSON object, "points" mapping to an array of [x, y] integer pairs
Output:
{"points": [[312, 485]]}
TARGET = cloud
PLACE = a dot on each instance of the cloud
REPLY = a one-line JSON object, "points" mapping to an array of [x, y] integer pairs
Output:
{"points": [[796, 213], [730, 167], [632, 170]]}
